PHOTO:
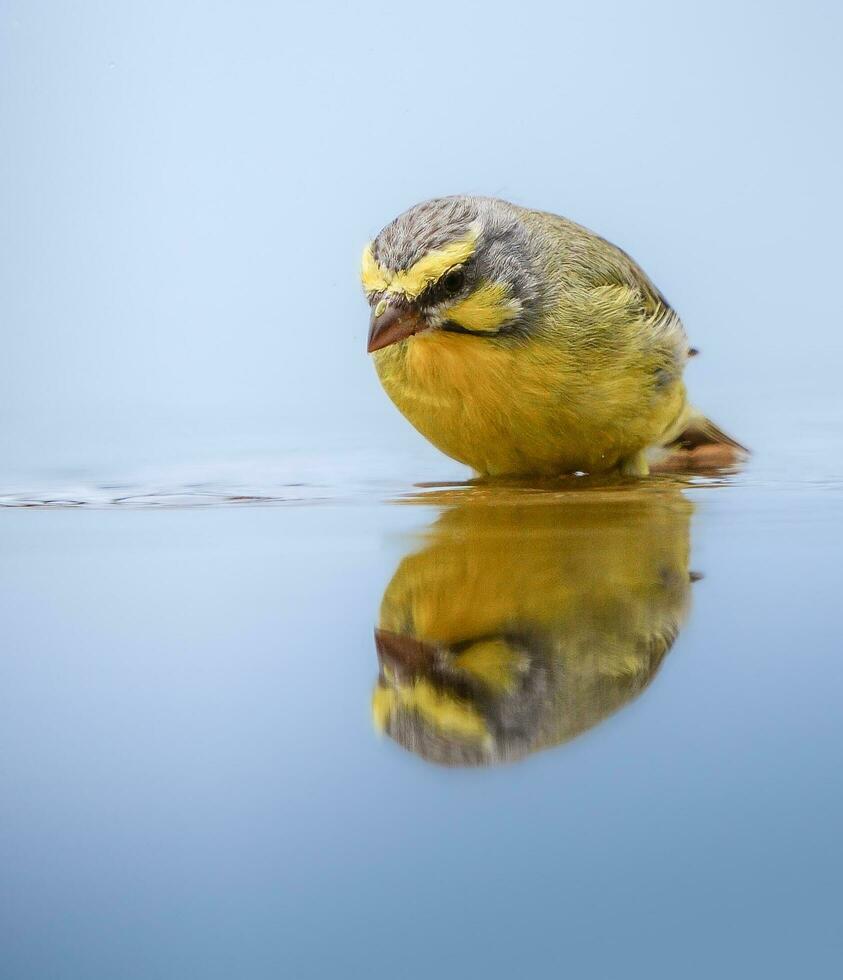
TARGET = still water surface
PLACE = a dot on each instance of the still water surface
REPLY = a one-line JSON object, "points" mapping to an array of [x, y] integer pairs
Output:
{"points": [[446, 731]]}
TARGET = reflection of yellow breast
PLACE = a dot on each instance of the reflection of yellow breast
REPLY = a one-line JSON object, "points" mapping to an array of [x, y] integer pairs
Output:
{"points": [[525, 408], [490, 564], [551, 611]]}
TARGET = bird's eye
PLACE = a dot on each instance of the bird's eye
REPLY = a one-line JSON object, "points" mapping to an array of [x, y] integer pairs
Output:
{"points": [[453, 281]]}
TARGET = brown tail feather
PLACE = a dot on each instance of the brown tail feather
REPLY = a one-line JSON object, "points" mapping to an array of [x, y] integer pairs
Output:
{"points": [[702, 446], [701, 431]]}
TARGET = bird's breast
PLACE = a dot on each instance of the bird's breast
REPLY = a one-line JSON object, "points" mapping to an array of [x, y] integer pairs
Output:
{"points": [[509, 407]]}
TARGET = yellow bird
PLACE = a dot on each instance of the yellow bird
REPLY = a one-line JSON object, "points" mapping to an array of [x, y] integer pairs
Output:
{"points": [[518, 342], [527, 618]]}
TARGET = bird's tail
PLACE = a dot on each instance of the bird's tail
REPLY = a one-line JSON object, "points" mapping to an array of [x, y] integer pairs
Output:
{"points": [[699, 444]]}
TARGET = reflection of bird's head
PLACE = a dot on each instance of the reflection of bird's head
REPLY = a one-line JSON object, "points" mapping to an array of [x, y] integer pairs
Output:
{"points": [[457, 264], [520, 625]]}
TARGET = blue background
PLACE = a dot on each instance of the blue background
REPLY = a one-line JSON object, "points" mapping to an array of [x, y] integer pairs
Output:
{"points": [[185, 190]]}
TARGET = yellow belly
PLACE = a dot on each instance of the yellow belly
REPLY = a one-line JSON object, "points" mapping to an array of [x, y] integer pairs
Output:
{"points": [[529, 409]]}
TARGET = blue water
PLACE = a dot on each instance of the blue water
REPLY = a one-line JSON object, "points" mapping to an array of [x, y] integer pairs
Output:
{"points": [[194, 784]]}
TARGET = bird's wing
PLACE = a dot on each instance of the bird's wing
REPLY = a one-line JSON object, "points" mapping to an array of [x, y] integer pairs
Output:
{"points": [[583, 260], [597, 287]]}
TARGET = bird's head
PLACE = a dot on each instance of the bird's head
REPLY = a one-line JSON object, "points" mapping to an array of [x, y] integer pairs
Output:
{"points": [[455, 264]]}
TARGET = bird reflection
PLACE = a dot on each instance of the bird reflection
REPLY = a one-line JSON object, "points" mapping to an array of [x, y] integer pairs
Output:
{"points": [[528, 618]]}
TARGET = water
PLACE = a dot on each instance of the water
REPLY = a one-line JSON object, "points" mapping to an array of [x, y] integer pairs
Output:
{"points": [[251, 729]]}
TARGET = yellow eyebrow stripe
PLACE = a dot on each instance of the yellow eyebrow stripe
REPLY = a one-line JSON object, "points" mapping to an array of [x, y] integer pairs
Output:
{"points": [[374, 279], [429, 268]]}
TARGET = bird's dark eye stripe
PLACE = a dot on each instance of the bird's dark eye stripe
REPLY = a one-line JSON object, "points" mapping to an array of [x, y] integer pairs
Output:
{"points": [[452, 327], [447, 286]]}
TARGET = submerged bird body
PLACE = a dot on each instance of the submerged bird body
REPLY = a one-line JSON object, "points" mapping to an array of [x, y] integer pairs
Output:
{"points": [[521, 343]]}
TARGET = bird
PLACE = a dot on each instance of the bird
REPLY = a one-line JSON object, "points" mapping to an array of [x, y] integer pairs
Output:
{"points": [[525, 619], [521, 343]]}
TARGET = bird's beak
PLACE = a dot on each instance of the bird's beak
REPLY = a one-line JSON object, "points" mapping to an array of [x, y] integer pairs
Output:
{"points": [[389, 324]]}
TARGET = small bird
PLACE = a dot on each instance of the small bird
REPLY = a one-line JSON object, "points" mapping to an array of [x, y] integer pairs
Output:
{"points": [[520, 343]]}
